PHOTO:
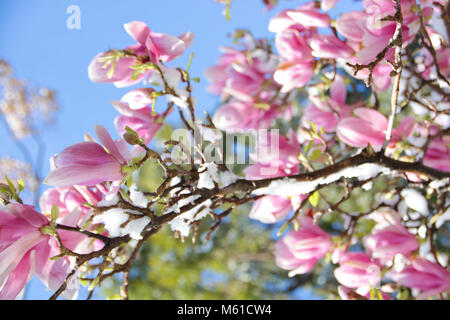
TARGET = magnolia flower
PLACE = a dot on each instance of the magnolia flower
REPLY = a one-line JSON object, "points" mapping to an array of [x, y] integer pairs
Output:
{"points": [[293, 75], [271, 209], [89, 163], [275, 156], [326, 114], [300, 250], [138, 98], [240, 73], [237, 115], [389, 238], [293, 46], [68, 199], [422, 274], [151, 47], [329, 47], [370, 127], [25, 249], [356, 270], [142, 121]]}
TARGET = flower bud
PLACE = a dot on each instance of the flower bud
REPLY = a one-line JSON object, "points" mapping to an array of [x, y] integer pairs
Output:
{"points": [[130, 138]]}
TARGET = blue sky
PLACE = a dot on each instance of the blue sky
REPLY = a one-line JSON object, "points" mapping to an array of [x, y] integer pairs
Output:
{"points": [[34, 39]]}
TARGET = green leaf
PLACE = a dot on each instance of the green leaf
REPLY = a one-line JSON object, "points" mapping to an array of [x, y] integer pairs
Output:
{"points": [[21, 185], [283, 227], [11, 186], [314, 198], [164, 133], [313, 127], [315, 154], [190, 61], [55, 212], [263, 106], [308, 146], [56, 257]]}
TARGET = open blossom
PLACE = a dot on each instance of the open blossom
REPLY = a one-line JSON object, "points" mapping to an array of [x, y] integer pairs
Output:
{"points": [[389, 238], [356, 270], [275, 156], [429, 277], [88, 163], [293, 75], [151, 47], [142, 121], [68, 199], [300, 250], [237, 115], [326, 114], [370, 127], [25, 249], [240, 73], [368, 33]]}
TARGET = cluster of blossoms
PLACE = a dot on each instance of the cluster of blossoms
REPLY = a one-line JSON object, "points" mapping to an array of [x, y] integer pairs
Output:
{"points": [[355, 46], [347, 136]]}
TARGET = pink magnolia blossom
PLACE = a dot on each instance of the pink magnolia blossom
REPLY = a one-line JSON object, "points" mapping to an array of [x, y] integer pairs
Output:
{"points": [[350, 25], [422, 274], [326, 114], [356, 270], [326, 5], [438, 154], [236, 115], [25, 249], [300, 250], [138, 98], [88, 163], [329, 47], [370, 127], [240, 73], [293, 46], [151, 47], [368, 34], [271, 209], [293, 75], [389, 238], [275, 156], [142, 121], [68, 199]]}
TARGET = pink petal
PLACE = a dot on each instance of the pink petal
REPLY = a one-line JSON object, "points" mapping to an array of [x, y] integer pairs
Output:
{"points": [[165, 47], [106, 140], [138, 30], [16, 279], [85, 175], [12, 255]]}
